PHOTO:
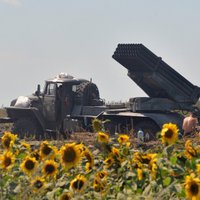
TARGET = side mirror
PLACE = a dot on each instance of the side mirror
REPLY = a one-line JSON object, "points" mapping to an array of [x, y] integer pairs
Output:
{"points": [[37, 92]]}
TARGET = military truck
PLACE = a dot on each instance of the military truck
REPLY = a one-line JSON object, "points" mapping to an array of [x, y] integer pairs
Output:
{"points": [[171, 96], [66, 104], [70, 104]]}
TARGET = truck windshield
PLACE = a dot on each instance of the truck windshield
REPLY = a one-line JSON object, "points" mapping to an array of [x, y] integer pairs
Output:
{"points": [[50, 89]]}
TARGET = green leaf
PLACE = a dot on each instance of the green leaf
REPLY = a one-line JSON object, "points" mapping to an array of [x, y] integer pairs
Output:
{"points": [[168, 150], [173, 159], [167, 181]]}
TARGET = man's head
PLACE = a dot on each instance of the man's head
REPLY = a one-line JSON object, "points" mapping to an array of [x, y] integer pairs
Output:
{"points": [[192, 114]]}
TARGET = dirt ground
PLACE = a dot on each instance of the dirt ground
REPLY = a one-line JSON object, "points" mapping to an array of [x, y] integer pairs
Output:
{"points": [[88, 138]]}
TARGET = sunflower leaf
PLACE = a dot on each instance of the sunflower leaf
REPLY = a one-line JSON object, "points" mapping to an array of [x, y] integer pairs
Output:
{"points": [[167, 181], [173, 159]]}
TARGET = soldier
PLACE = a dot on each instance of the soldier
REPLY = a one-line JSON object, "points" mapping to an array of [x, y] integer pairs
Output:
{"points": [[190, 124]]}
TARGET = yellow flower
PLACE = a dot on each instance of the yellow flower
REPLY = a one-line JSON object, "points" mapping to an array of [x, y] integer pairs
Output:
{"points": [[115, 151], [78, 184], [47, 150], [169, 133], [50, 168], [82, 148], [102, 174], [192, 187], [116, 154], [7, 160], [154, 168], [103, 137], [87, 153], [100, 181], [36, 154], [99, 185], [198, 169], [97, 125], [66, 196], [137, 160], [123, 139], [190, 151], [70, 155], [26, 145], [29, 165], [88, 167], [139, 174], [149, 158], [141, 160], [109, 161], [37, 184], [8, 140]]}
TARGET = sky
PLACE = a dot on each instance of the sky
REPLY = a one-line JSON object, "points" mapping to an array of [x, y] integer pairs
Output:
{"points": [[41, 38]]}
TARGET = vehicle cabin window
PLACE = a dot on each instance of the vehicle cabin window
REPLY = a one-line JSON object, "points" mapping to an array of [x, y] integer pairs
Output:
{"points": [[50, 89], [74, 88]]}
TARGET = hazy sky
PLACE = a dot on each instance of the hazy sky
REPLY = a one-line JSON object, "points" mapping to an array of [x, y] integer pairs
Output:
{"points": [[41, 38]]}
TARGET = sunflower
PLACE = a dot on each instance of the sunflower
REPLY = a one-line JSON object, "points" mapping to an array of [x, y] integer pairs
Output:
{"points": [[123, 139], [139, 174], [97, 125], [88, 167], [26, 145], [153, 169], [109, 161], [192, 187], [36, 154], [198, 169], [99, 185], [103, 137], [29, 165], [102, 174], [8, 140], [82, 148], [37, 184], [115, 153], [50, 168], [148, 158], [66, 196], [169, 133], [190, 151], [47, 150], [7, 160], [70, 155], [87, 153], [78, 184], [137, 160]]}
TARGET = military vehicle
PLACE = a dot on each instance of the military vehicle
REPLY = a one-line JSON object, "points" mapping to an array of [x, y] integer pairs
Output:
{"points": [[69, 104], [171, 96], [66, 103]]}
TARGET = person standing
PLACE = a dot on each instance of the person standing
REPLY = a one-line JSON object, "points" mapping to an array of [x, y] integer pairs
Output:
{"points": [[190, 123]]}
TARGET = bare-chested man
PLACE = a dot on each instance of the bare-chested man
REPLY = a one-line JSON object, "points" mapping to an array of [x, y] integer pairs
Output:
{"points": [[189, 124]]}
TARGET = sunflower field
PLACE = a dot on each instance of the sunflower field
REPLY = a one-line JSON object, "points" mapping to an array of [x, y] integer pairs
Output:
{"points": [[111, 169]]}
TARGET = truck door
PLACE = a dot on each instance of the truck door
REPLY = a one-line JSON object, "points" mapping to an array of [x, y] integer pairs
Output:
{"points": [[49, 107]]}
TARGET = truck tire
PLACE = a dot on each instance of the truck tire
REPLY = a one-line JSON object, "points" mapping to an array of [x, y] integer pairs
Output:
{"points": [[86, 92], [26, 127], [147, 126]]}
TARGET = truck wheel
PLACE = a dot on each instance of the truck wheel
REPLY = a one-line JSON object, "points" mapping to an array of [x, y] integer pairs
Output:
{"points": [[149, 128], [26, 127], [86, 92]]}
